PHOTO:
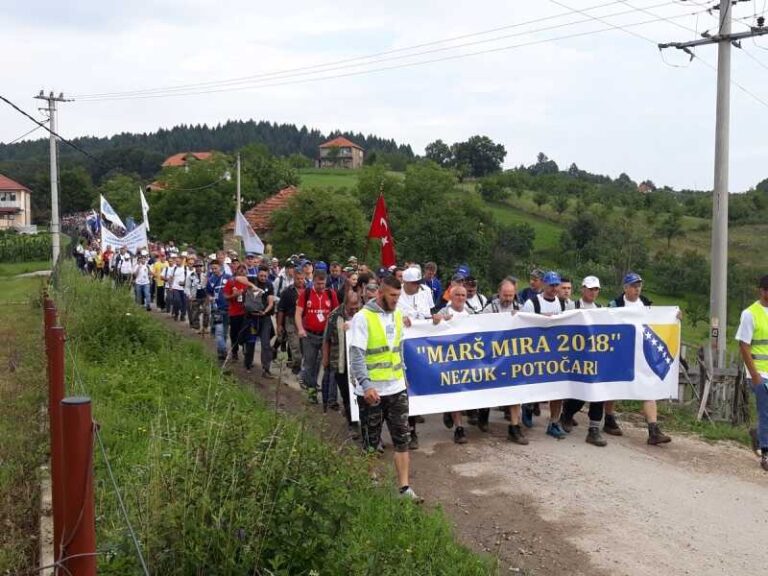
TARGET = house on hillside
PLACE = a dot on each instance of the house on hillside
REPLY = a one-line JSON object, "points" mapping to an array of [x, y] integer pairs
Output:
{"points": [[183, 159], [340, 153], [15, 206], [260, 218]]}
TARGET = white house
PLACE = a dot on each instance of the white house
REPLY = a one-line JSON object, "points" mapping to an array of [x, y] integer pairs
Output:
{"points": [[15, 205]]}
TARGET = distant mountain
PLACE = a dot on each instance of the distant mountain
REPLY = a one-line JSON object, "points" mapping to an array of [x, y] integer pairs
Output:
{"points": [[281, 139]]}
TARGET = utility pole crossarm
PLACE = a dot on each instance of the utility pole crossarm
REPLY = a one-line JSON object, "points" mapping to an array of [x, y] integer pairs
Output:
{"points": [[715, 39]]}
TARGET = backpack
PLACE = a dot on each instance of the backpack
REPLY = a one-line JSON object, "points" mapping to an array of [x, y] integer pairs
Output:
{"points": [[537, 304], [254, 301]]}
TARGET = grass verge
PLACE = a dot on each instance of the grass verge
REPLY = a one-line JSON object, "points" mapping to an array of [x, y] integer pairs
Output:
{"points": [[214, 482], [22, 443], [14, 268]]}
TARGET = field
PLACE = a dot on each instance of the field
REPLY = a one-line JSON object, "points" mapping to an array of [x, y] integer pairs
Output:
{"points": [[22, 393], [15, 268], [328, 177]]}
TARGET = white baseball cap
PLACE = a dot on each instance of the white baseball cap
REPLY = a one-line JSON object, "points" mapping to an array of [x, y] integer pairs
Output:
{"points": [[591, 282], [227, 260], [411, 275]]}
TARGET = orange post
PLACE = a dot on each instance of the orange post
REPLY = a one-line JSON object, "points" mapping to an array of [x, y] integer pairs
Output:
{"points": [[56, 339], [78, 550]]}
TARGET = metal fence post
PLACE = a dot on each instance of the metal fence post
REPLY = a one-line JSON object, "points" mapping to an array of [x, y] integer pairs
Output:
{"points": [[56, 339]]}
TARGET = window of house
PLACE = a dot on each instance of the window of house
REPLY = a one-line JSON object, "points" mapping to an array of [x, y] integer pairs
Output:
{"points": [[13, 196]]}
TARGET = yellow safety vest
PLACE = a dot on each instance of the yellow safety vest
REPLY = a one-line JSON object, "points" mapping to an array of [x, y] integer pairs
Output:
{"points": [[760, 337], [383, 363]]}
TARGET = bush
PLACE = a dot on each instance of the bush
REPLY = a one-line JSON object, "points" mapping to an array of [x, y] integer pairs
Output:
{"points": [[24, 248], [217, 484]]}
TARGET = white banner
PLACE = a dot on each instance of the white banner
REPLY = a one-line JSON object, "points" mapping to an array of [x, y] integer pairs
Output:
{"points": [[489, 360], [134, 241]]}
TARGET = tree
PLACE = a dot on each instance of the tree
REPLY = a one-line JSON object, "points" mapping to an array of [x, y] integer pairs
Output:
{"points": [[299, 161], [543, 166], [540, 198], [492, 189], [439, 152], [77, 193], [560, 203], [671, 226], [262, 174], [481, 154], [333, 155], [122, 193], [324, 222]]}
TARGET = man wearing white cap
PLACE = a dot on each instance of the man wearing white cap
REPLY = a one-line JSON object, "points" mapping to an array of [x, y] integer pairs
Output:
{"points": [[590, 288], [141, 276], [415, 299]]}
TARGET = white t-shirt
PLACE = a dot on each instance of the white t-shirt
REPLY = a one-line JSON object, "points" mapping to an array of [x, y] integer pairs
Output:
{"points": [[141, 274], [476, 303], [449, 311], [358, 337], [547, 308], [126, 264], [418, 306], [636, 304], [746, 330], [571, 305], [177, 276]]}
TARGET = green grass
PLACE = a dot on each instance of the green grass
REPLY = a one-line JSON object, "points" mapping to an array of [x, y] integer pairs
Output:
{"points": [[214, 481], [12, 269], [328, 177], [22, 442]]}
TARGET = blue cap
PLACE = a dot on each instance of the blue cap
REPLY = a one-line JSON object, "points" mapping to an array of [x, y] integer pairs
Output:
{"points": [[320, 265], [632, 277], [551, 278], [382, 272], [462, 269]]}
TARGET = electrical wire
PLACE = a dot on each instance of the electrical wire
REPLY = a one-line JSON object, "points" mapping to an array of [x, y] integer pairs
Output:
{"points": [[400, 66], [317, 67], [22, 136], [42, 125]]}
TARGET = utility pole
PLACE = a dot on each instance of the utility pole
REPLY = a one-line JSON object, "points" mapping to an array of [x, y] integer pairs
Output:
{"points": [[238, 182], [719, 256], [55, 224]]}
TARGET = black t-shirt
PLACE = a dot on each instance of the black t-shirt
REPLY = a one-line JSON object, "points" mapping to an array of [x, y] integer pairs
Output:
{"points": [[269, 290], [288, 299]]}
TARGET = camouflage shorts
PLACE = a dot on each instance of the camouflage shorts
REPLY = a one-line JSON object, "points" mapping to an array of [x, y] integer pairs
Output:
{"points": [[394, 410]]}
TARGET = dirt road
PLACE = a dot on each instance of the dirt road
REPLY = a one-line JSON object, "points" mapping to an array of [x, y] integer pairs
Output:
{"points": [[568, 507]]}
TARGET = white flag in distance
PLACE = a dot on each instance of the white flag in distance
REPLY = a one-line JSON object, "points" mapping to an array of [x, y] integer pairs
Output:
{"points": [[144, 208], [251, 240], [109, 214]]}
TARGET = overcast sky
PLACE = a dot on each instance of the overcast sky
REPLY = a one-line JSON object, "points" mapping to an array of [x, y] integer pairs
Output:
{"points": [[605, 100]]}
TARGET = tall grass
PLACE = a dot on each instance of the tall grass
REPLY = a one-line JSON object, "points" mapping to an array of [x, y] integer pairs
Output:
{"points": [[214, 482]]}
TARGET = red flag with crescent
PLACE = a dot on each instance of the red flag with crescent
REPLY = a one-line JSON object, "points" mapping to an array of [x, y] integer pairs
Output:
{"points": [[380, 229]]}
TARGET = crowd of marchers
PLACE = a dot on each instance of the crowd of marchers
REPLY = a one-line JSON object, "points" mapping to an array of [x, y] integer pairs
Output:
{"points": [[318, 312]]}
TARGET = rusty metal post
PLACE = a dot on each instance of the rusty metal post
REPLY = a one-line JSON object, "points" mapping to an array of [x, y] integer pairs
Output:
{"points": [[49, 319], [56, 339], [78, 550]]}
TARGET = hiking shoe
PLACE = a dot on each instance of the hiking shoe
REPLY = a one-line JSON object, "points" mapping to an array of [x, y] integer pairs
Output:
{"points": [[448, 420], [459, 437], [267, 375], [764, 462], [611, 426], [567, 424], [334, 406], [515, 434], [656, 436], [413, 443], [594, 437], [536, 409], [556, 431], [354, 431], [482, 425], [312, 395], [755, 441], [419, 419], [472, 419], [527, 416], [409, 494]]}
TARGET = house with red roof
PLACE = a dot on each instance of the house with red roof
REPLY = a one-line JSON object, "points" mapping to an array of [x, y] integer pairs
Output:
{"points": [[182, 159], [15, 205], [260, 218], [340, 153]]}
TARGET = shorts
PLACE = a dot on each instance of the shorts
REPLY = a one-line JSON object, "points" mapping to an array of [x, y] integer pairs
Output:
{"points": [[394, 410]]}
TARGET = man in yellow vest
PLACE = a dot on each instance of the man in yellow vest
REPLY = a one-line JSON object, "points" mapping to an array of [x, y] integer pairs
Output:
{"points": [[753, 344], [376, 366]]}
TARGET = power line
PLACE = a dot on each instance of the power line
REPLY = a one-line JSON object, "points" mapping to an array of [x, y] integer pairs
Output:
{"points": [[314, 68], [398, 66], [42, 125], [22, 136]]}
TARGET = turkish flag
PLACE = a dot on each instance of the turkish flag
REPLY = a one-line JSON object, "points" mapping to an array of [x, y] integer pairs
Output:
{"points": [[380, 229]]}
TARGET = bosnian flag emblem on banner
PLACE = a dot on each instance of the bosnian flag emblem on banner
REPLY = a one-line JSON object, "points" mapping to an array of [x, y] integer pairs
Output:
{"points": [[660, 344]]}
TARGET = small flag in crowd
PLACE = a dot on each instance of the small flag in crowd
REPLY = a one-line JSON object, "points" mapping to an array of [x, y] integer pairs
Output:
{"points": [[144, 207], [380, 229], [656, 352], [93, 222], [251, 240], [109, 214]]}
